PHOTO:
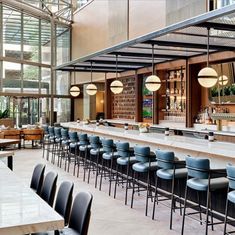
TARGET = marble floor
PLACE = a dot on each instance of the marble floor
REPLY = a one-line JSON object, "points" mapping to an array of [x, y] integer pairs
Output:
{"points": [[111, 216]]}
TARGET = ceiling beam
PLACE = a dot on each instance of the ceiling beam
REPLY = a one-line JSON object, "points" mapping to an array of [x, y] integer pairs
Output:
{"points": [[220, 26]]}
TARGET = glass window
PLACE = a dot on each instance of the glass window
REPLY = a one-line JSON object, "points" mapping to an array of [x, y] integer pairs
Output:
{"points": [[11, 77], [62, 83], [31, 38], [11, 33], [46, 81], [46, 42], [62, 107], [31, 79]]}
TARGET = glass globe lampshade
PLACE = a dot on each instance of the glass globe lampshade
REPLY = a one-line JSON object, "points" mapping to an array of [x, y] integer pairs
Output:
{"points": [[91, 89], [223, 80], [74, 91], [116, 87], [153, 83], [207, 77]]}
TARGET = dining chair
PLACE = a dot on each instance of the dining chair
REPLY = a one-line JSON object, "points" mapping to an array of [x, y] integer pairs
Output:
{"points": [[49, 188], [37, 178], [80, 215]]}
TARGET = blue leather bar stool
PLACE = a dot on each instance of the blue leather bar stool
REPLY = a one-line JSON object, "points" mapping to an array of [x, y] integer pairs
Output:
{"points": [[73, 150], [173, 170], [84, 149], [107, 157], [200, 179], [231, 195], [125, 159], [95, 153], [49, 143], [57, 143], [146, 163], [64, 147]]}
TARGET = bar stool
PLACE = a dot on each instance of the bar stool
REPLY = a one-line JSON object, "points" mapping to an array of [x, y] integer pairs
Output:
{"points": [[57, 143], [200, 179], [231, 194], [84, 149], [107, 157], [64, 147], [49, 142], [95, 152], [146, 163], [73, 150], [173, 170], [125, 159]]}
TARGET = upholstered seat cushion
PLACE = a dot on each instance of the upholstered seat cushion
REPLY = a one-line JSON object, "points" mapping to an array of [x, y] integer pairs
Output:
{"points": [[73, 145], [168, 173], [94, 152], [65, 142], [108, 156], [231, 196], [144, 166], [202, 184], [124, 160], [69, 231], [84, 147]]}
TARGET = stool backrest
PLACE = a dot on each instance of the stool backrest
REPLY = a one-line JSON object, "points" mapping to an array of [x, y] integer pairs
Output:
{"points": [[95, 142], [80, 214], [198, 167], [58, 132], [141, 153], [51, 131], [64, 200], [231, 175], [108, 145], [73, 136], [64, 134], [123, 149], [165, 159], [83, 139], [45, 129]]}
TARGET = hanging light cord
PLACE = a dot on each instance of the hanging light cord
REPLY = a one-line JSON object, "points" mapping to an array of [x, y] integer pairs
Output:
{"points": [[74, 78], [152, 59], [208, 41], [116, 65], [91, 71]]}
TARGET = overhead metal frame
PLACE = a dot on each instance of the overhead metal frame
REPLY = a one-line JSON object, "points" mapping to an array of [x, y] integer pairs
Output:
{"points": [[182, 40]]}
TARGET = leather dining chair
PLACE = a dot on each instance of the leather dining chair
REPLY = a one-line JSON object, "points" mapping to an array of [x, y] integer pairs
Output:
{"points": [[37, 178]]}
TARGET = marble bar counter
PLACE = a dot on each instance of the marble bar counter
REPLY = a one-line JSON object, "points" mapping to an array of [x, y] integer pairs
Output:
{"points": [[220, 153], [22, 210]]}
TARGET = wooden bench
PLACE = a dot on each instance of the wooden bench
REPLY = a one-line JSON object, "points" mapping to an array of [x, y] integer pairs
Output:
{"points": [[33, 135]]}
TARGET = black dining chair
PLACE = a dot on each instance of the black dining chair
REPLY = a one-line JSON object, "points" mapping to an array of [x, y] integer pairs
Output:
{"points": [[64, 200], [49, 188], [37, 178], [80, 215]]}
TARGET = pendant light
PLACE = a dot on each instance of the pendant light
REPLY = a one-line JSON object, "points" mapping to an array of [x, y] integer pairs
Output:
{"points": [[153, 82], [74, 90], [91, 88], [116, 86], [207, 77]]}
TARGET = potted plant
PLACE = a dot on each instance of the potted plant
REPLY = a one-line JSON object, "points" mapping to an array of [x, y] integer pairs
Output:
{"points": [[4, 118], [144, 127]]}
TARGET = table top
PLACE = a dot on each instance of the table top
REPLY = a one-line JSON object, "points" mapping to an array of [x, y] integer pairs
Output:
{"points": [[6, 153], [5, 142], [22, 211], [196, 147]]}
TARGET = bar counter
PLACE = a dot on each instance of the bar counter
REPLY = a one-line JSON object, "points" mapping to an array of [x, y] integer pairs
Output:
{"points": [[220, 153]]}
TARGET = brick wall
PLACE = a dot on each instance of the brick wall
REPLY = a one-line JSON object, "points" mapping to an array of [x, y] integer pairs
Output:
{"points": [[123, 105]]}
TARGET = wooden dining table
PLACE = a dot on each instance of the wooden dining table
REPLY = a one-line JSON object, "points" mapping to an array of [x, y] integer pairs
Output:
{"points": [[22, 211], [7, 142]]}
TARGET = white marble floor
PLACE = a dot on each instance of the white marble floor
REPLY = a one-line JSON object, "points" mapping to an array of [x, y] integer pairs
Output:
{"points": [[111, 216]]}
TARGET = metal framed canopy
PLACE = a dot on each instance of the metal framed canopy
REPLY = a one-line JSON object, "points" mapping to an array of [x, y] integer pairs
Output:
{"points": [[178, 41]]}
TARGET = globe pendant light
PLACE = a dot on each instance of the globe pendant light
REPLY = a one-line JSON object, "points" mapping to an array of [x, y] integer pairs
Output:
{"points": [[153, 82], [207, 77], [91, 88], [74, 90], [116, 86]]}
